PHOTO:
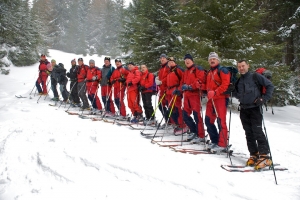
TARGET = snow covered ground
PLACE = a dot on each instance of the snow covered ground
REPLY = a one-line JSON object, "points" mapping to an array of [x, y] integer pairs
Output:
{"points": [[47, 154]]}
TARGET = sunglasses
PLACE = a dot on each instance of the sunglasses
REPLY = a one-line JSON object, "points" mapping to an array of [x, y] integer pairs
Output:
{"points": [[118, 60], [80, 59]]}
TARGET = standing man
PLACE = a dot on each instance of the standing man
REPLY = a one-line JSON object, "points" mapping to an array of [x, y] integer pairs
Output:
{"points": [[133, 97], [54, 81], [106, 87], [72, 75], [43, 75], [92, 85], [173, 93], [251, 100], [218, 80], [59, 74], [118, 79], [81, 79], [145, 87], [161, 82], [191, 86]]}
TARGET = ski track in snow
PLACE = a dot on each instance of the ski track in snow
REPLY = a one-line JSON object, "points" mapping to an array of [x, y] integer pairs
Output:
{"points": [[47, 154]]}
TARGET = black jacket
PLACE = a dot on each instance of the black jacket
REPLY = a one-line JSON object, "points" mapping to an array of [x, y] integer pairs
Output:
{"points": [[247, 89], [72, 74]]}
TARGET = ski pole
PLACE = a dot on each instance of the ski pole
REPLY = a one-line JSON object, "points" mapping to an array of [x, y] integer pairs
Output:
{"points": [[142, 132], [173, 104], [48, 89], [107, 97], [161, 118], [261, 112], [229, 125], [32, 89], [70, 94], [85, 94], [120, 99], [220, 127]]}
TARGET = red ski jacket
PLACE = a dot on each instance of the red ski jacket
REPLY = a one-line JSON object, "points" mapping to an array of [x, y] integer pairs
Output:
{"points": [[91, 72], [81, 73], [195, 77], [118, 73], [162, 74], [174, 78], [43, 67], [218, 80], [134, 77], [147, 81]]}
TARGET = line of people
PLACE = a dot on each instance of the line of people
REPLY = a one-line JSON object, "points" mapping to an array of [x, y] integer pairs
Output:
{"points": [[180, 92]]}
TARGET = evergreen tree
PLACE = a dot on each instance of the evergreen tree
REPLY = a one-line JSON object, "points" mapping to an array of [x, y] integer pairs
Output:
{"points": [[232, 28], [148, 31], [19, 32]]}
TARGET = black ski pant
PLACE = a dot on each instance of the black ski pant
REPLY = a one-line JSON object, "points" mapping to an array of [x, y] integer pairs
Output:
{"points": [[147, 104], [74, 92], [63, 89], [82, 94], [251, 119], [53, 87]]}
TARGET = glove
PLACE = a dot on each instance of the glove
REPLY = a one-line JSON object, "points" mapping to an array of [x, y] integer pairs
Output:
{"points": [[211, 94], [157, 81], [122, 80], [141, 88], [113, 82], [68, 74], [129, 84], [259, 101], [186, 87], [108, 82], [95, 78], [176, 92]]}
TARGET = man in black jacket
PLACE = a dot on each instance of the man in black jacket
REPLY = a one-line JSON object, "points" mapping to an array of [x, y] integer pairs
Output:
{"points": [[72, 75], [249, 93]]}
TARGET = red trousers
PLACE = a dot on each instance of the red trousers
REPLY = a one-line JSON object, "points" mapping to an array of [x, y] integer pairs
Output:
{"points": [[192, 104], [42, 79], [218, 137], [106, 98], [133, 99]]}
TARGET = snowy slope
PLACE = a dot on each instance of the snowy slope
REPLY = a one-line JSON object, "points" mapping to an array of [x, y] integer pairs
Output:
{"points": [[47, 154]]}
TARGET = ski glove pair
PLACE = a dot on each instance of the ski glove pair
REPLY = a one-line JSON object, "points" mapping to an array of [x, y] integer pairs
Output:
{"points": [[185, 87], [176, 92]]}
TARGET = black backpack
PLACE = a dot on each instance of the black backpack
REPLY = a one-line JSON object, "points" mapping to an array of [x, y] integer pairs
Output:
{"points": [[233, 78]]}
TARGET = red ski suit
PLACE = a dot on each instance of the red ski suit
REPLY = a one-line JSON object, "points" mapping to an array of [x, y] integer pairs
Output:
{"points": [[162, 75], [147, 80], [42, 79], [194, 77], [173, 81], [133, 96], [92, 86], [81, 74], [119, 88], [218, 79]]}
